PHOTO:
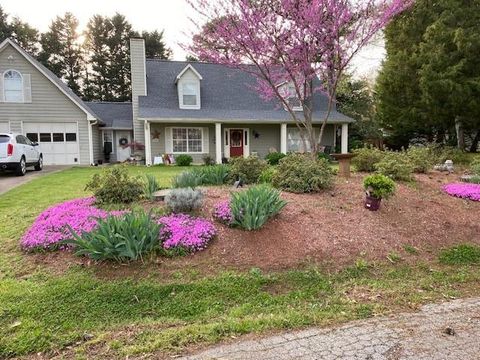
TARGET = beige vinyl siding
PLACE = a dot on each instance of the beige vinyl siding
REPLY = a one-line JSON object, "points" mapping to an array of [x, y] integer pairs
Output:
{"points": [[139, 84], [97, 142], [268, 138], [48, 104], [158, 145]]}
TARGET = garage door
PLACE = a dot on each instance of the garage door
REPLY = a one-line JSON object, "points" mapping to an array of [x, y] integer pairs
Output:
{"points": [[4, 127], [58, 141]]}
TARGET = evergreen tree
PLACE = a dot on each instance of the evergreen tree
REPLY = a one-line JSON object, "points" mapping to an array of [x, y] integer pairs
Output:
{"points": [[5, 29], [62, 52], [155, 45]]}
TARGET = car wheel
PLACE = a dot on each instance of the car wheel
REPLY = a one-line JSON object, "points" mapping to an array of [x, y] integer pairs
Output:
{"points": [[21, 167], [39, 165]]}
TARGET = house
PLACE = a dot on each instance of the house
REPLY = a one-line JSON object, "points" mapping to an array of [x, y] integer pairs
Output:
{"points": [[177, 107]]}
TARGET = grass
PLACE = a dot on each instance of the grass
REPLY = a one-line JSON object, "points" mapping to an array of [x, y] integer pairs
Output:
{"points": [[82, 313]]}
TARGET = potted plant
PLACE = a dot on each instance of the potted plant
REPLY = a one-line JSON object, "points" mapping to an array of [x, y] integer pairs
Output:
{"points": [[377, 187]]}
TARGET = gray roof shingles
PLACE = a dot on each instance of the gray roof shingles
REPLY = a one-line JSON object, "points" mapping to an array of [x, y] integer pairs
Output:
{"points": [[115, 115], [227, 94]]}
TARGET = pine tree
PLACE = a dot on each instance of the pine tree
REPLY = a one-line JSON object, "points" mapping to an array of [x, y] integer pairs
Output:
{"points": [[62, 52], [155, 45]]}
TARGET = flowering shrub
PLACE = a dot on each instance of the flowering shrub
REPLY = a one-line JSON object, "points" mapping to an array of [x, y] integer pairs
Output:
{"points": [[223, 213], [185, 232], [50, 226], [465, 191]]}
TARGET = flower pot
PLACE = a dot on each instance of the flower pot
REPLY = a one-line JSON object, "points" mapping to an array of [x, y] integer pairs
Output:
{"points": [[372, 203]]}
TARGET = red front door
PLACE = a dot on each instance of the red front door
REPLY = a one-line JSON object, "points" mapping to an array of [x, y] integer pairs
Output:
{"points": [[236, 143]]}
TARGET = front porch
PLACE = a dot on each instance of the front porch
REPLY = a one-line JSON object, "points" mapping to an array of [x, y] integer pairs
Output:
{"points": [[199, 140]]}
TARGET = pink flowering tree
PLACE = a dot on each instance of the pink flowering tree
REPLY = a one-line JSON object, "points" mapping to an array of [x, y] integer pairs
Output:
{"points": [[293, 48]]}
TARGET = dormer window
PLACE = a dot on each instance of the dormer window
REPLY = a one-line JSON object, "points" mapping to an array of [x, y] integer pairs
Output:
{"points": [[190, 94], [188, 84], [293, 99], [13, 86]]}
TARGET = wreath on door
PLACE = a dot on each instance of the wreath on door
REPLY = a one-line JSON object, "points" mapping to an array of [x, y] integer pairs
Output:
{"points": [[123, 142]]}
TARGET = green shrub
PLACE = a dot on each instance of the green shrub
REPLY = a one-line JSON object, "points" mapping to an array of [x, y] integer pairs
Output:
{"points": [[395, 165], [116, 185], [366, 158], [267, 175], [325, 156], [475, 166], [119, 238], [464, 254], [187, 179], [274, 157], [183, 160], [443, 153], [379, 186], [252, 208], [184, 200], [213, 175], [248, 169], [151, 186], [300, 173], [421, 157]]}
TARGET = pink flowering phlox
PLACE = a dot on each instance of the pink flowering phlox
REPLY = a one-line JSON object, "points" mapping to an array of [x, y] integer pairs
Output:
{"points": [[186, 232], [223, 213], [50, 227], [463, 190]]}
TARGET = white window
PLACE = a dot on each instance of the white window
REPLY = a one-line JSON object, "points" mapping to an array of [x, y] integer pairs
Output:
{"points": [[107, 136], [290, 94], [13, 86], [187, 140], [190, 95], [295, 142]]}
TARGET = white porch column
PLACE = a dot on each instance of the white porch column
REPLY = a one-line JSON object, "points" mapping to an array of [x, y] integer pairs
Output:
{"points": [[344, 138], [148, 144], [283, 138], [90, 143], [218, 143]]}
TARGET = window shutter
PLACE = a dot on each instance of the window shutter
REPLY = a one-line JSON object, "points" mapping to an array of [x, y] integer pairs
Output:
{"points": [[27, 88], [2, 94], [205, 140], [168, 140]]}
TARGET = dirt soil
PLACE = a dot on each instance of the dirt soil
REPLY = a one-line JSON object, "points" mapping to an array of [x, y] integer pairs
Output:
{"points": [[331, 228]]}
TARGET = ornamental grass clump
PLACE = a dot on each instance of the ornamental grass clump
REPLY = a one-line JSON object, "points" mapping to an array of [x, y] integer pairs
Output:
{"points": [[252, 208], [463, 190], [182, 232], [118, 238], [50, 227], [151, 186]]}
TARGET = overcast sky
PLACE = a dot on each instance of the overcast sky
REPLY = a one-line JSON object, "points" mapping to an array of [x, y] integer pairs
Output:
{"points": [[170, 15]]}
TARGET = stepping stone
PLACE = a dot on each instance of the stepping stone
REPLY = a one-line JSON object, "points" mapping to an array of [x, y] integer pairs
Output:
{"points": [[160, 194]]}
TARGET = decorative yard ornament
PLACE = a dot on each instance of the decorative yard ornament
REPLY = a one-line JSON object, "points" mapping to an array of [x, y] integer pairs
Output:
{"points": [[287, 45]]}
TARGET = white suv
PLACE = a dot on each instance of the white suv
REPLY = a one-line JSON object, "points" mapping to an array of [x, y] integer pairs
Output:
{"points": [[17, 152]]}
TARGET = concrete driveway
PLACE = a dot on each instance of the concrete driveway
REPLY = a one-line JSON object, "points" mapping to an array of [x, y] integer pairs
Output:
{"points": [[8, 180]]}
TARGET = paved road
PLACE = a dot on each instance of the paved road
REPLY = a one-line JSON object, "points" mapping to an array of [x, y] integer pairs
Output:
{"points": [[419, 336], [8, 180]]}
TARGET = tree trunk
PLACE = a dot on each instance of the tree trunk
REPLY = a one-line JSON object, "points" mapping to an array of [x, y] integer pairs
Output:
{"points": [[460, 133], [475, 141]]}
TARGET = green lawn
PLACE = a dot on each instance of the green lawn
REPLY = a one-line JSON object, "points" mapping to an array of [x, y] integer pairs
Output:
{"points": [[41, 311]]}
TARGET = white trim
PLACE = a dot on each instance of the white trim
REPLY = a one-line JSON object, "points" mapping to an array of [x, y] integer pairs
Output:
{"points": [[232, 122], [185, 69], [283, 138], [218, 143], [23, 90], [148, 145], [90, 142], [180, 86], [344, 138], [90, 116], [189, 127], [226, 147]]}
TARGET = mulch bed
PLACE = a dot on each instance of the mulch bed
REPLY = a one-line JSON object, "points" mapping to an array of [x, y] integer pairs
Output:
{"points": [[331, 228]]}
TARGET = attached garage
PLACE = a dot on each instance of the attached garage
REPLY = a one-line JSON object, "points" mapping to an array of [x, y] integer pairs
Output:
{"points": [[4, 127], [58, 141]]}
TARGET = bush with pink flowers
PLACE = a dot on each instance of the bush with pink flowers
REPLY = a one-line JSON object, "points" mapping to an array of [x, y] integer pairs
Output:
{"points": [[50, 227], [223, 213], [185, 232], [463, 190]]}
